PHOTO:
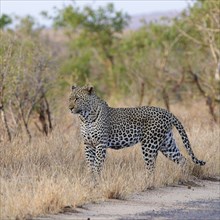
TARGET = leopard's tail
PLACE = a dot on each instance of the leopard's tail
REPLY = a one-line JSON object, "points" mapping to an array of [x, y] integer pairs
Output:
{"points": [[185, 140]]}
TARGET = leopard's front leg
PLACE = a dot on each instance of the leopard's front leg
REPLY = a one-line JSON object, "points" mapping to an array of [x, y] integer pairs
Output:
{"points": [[100, 155], [90, 154]]}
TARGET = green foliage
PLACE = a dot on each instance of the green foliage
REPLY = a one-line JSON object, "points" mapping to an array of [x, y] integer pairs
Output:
{"points": [[26, 76], [159, 56], [164, 61], [104, 19], [93, 41], [4, 21], [201, 30], [28, 26]]}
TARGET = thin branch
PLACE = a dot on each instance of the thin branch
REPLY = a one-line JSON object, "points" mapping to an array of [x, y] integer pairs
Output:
{"points": [[199, 86], [190, 37]]}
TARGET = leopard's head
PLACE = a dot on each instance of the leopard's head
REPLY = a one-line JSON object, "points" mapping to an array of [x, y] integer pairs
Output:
{"points": [[80, 99]]}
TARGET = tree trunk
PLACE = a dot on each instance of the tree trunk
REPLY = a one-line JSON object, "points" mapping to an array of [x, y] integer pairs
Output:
{"points": [[141, 93], [166, 99], [48, 113], [42, 117], [211, 106], [5, 122]]}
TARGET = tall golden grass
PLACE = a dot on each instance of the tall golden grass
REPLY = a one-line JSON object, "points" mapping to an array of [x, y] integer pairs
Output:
{"points": [[50, 173]]}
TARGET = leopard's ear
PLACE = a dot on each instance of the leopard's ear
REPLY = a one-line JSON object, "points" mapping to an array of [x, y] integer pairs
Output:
{"points": [[73, 87], [90, 89]]}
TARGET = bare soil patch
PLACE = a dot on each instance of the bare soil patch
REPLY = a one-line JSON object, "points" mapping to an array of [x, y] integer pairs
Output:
{"points": [[197, 199]]}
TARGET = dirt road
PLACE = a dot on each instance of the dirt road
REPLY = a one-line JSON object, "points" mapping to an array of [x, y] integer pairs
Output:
{"points": [[199, 199]]}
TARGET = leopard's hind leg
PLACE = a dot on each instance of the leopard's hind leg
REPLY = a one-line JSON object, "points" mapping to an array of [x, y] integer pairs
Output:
{"points": [[150, 146], [170, 149]]}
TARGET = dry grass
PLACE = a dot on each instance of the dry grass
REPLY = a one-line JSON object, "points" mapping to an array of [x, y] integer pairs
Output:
{"points": [[50, 173]]}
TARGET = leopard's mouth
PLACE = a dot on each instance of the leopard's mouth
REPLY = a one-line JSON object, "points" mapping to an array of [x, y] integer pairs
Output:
{"points": [[75, 111], [72, 110]]}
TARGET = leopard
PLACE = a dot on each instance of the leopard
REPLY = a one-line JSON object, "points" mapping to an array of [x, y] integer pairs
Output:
{"points": [[104, 127]]}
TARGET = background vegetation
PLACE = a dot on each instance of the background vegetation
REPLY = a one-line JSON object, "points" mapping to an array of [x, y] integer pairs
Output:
{"points": [[165, 62], [173, 64]]}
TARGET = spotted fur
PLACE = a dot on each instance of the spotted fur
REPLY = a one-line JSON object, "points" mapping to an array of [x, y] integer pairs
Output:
{"points": [[104, 127]]}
